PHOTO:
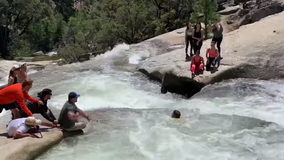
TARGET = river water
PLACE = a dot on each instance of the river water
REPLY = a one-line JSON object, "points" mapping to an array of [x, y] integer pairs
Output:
{"points": [[225, 121]]}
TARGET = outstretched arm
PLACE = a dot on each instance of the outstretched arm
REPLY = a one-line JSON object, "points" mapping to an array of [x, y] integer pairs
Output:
{"points": [[21, 102], [18, 135], [47, 114], [48, 124], [82, 113], [28, 97]]}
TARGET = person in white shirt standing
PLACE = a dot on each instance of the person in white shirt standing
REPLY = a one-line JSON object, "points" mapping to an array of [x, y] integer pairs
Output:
{"points": [[19, 128]]}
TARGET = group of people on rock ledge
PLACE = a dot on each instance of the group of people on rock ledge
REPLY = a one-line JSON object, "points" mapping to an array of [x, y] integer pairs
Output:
{"points": [[15, 97], [194, 36]]}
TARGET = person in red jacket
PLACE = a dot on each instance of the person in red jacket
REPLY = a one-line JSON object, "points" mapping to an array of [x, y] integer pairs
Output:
{"points": [[197, 64], [17, 93]]}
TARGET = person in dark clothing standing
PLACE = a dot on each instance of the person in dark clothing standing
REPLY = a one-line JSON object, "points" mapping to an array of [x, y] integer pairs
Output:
{"points": [[44, 96], [198, 36], [188, 41], [217, 30]]}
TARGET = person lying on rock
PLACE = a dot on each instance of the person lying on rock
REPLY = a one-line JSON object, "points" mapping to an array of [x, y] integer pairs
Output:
{"points": [[14, 95], [70, 114], [34, 107], [22, 127], [13, 75], [212, 55], [197, 64], [23, 73]]}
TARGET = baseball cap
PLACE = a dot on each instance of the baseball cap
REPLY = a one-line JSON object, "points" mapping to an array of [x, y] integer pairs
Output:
{"points": [[73, 95], [32, 121], [15, 67]]}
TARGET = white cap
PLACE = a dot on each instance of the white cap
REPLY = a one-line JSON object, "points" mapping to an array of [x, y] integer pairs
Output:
{"points": [[15, 67], [32, 121]]}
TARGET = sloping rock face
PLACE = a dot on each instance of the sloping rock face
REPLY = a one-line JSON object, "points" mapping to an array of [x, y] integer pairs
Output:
{"points": [[253, 51], [29, 148]]}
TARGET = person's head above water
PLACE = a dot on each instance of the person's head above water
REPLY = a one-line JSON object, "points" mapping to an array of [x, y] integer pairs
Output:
{"points": [[176, 114], [72, 97]]}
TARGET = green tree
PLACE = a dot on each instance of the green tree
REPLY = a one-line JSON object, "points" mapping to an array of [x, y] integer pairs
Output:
{"points": [[205, 11]]}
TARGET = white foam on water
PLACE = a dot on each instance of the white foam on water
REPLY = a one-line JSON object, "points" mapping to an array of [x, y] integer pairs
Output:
{"points": [[104, 91], [152, 135], [155, 136]]}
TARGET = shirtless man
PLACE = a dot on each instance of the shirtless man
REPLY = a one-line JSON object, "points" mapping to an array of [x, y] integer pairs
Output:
{"points": [[23, 73], [197, 64]]}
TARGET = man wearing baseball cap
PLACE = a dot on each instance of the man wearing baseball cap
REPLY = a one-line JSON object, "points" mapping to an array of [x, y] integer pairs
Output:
{"points": [[70, 114], [19, 128]]}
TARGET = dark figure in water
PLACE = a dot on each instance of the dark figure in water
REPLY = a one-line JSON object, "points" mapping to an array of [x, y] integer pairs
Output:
{"points": [[198, 36], [188, 40], [176, 114]]}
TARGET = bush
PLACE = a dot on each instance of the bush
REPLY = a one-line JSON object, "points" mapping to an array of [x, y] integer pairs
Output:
{"points": [[71, 53]]}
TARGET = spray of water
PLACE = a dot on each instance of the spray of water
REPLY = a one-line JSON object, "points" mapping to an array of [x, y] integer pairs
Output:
{"points": [[229, 120]]}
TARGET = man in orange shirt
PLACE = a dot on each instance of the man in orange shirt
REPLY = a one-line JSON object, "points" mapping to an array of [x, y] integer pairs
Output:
{"points": [[17, 93]]}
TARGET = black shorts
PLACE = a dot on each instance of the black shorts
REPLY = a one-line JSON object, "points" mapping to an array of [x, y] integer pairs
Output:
{"points": [[8, 106]]}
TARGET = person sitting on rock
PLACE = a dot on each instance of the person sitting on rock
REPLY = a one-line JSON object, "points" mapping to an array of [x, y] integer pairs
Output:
{"points": [[14, 95], [176, 114], [70, 114], [43, 96], [13, 75], [197, 64], [212, 55], [22, 127], [23, 73]]}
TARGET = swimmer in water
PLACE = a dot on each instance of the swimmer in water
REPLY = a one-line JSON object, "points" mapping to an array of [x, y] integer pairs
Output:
{"points": [[176, 114]]}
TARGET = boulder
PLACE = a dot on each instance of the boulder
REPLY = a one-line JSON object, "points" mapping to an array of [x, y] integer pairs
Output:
{"points": [[251, 11], [230, 10], [263, 9], [38, 53], [252, 51], [29, 148], [84, 57]]}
